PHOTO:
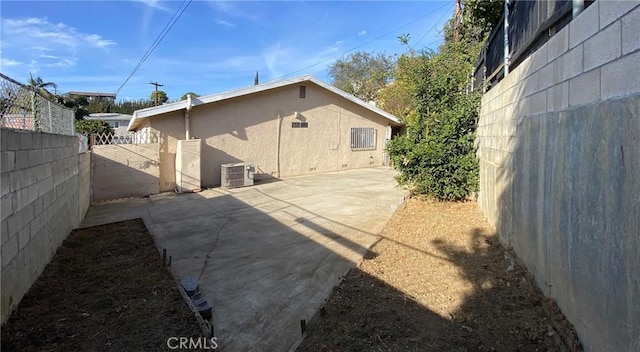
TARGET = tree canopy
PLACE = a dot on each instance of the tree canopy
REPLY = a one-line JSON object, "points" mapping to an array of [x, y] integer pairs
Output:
{"points": [[400, 96], [193, 95], [430, 92], [93, 126], [362, 74], [162, 96], [40, 85]]}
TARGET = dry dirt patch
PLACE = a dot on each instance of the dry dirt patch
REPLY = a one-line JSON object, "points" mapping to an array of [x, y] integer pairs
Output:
{"points": [[438, 280], [105, 289]]}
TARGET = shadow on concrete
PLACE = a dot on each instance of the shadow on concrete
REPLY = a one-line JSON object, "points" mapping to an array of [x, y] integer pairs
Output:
{"points": [[269, 257], [264, 262]]}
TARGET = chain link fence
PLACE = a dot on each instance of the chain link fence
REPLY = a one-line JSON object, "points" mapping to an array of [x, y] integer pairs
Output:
{"points": [[23, 107]]}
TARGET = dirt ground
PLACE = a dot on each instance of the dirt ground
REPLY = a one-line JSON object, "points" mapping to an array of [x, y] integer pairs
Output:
{"points": [[438, 280], [106, 289]]}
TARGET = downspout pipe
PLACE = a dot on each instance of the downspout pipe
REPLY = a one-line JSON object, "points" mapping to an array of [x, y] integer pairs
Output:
{"points": [[506, 38], [186, 118], [578, 6], [278, 145]]}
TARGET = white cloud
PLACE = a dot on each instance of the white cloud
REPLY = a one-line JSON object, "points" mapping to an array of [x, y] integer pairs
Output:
{"points": [[38, 31], [9, 63], [156, 5], [47, 56], [340, 42], [235, 9], [62, 63], [225, 23], [98, 41], [44, 47], [362, 32], [273, 56]]}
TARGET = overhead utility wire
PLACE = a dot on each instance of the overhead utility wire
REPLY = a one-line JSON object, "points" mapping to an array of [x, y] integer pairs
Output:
{"points": [[361, 45], [172, 21], [429, 30]]}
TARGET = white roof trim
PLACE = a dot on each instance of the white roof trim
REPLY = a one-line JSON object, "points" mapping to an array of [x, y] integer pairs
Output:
{"points": [[140, 115]]}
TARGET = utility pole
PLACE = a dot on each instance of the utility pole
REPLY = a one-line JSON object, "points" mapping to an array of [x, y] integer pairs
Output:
{"points": [[155, 96], [456, 22]]}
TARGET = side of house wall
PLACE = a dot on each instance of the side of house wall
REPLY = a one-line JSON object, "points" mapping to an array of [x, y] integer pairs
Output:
{"points": [[125, 170], [246, 129], [559, 140], [44, 196]]}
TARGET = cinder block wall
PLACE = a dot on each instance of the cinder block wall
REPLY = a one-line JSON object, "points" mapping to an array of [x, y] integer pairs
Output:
{"points": [[559, 149], [45, 194], [125, 170], [84, 185]]}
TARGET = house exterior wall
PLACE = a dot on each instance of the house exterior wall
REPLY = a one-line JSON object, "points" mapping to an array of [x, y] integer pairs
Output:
{"points": [[245, 129], [45, 194], [171, 129], [558, 142]]}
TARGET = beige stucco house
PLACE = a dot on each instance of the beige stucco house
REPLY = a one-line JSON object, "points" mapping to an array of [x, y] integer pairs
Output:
{"points": [[285, 128]]}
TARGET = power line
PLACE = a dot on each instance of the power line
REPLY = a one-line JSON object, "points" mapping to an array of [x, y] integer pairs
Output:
{"points": [[361, 45], [429, 30], [172, 21]]}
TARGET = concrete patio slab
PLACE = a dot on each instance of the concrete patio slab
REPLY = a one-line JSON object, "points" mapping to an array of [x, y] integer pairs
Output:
{"points": [[266, 256]]}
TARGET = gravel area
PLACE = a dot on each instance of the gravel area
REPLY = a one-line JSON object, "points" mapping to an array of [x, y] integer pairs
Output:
{"points": [[439, 280]]}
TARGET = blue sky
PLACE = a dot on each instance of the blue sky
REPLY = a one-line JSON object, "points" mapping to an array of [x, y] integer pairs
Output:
{"points": [[214, 47]]}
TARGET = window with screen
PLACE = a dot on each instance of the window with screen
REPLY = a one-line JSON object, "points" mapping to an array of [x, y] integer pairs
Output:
{"points": [[363, 138], [300, 125], [303, 91]]}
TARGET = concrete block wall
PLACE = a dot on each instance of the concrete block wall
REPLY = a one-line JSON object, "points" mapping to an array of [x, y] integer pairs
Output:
{"points": [[125, 170], [84, 184], [558, 142], [45, 195]]}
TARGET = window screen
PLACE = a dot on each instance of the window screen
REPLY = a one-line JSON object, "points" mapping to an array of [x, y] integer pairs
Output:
{"points": [[303, 91], [300, 125], [363, 138]]}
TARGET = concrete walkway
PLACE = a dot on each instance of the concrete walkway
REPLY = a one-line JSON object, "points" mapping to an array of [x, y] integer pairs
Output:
{"points": [[266, 256]]}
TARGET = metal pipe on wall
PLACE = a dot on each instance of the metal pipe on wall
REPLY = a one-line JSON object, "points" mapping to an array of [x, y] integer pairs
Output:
{"points": [[578, 6], [506, 37], [278, 145], [186, 118]]}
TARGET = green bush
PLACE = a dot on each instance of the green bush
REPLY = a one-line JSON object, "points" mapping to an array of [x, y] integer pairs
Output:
{"points": [[437, 156], [93, 126]]}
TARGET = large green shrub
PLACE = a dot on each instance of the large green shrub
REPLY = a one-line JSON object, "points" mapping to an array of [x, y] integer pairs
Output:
{"points": [[93, 126], [437, 156]]}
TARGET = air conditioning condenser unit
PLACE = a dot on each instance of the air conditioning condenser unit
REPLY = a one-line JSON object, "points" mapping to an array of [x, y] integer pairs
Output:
{"points": [[236, 175]]}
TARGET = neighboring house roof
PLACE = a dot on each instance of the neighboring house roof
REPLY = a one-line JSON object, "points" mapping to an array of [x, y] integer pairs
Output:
{"points": [[140, 115], [93, 94], [109, 116]]}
